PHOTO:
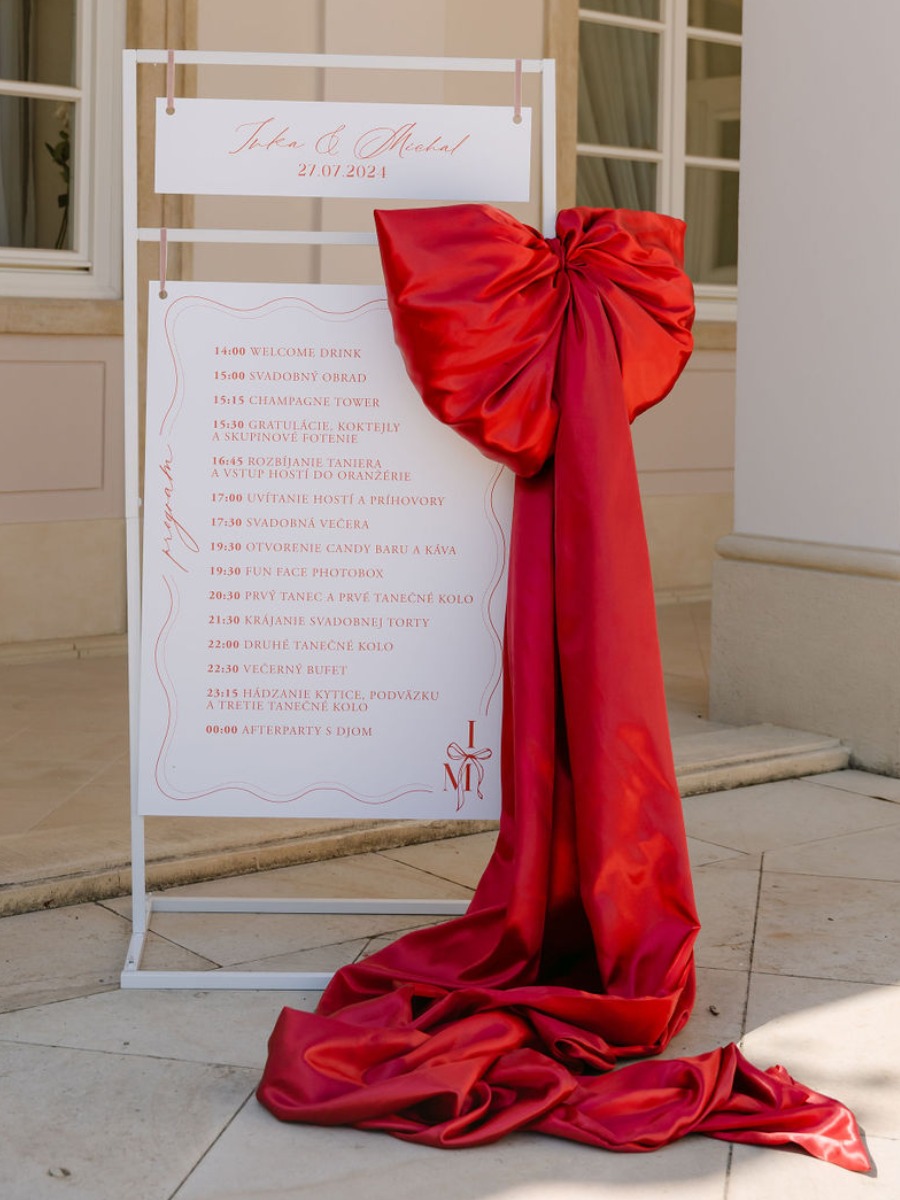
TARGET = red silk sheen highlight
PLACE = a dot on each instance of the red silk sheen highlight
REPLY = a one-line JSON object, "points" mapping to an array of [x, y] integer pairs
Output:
{"points": [[576, 952]]}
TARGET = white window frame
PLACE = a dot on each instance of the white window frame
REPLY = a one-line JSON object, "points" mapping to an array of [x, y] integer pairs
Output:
{"points": [[92, 269], [715, 302]]}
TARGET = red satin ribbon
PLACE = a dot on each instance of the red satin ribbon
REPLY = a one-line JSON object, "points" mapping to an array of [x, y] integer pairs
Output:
{"points": [[577, 949]]}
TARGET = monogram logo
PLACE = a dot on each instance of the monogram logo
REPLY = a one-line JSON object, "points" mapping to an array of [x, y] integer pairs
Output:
{"points": [[469, 768]]}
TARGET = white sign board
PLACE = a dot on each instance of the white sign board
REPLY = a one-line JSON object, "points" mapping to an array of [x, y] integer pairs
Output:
{"points": [[324, 568], [312, 148]]}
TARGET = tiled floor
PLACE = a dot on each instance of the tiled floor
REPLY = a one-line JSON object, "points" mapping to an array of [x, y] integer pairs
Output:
{"points": [[64, 773], [111, 1094], [149, 1095]]}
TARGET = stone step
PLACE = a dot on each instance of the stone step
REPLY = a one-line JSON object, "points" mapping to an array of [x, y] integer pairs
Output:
{"points": [[45, 872], [93, 864], [741, 755]]}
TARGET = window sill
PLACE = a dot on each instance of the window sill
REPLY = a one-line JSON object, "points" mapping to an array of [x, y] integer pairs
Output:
{"points": [[103, 318], [95, 318]]}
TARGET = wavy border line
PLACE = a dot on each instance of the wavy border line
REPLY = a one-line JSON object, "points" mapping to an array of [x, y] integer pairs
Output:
{"points": [[177, 309], [162, 674], [180, 307], [487, 604]]}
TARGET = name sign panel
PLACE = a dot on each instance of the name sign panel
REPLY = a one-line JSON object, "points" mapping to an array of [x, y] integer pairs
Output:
{"points": [[324, 568], [320, 148]]}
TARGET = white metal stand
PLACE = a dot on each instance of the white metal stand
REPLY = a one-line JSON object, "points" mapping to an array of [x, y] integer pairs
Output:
{"points": [[145, 905]]}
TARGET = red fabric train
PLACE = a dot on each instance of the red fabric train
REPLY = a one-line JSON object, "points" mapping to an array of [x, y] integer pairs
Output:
{"points": [[577, 949]]}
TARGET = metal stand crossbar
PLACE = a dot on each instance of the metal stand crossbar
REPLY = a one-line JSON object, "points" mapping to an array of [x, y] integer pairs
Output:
{"points": [[144, 905], [134, 976]]}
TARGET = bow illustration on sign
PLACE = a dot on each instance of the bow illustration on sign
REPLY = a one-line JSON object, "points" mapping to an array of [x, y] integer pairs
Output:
{"points": [[467, 757]]}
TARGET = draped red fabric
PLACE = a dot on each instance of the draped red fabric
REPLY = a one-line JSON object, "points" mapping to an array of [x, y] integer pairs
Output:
{"points": [[576, 951]]}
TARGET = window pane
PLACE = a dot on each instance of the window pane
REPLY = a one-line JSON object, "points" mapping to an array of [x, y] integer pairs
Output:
{"points": [[615, 183], [37, 41], [724, 15], [648, 9], [711, 212], [618, 85], [35, 170], [714, 100], [713, 60]]}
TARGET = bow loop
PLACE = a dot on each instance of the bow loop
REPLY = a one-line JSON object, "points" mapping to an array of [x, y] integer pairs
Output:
{"points": [[480, 303]]}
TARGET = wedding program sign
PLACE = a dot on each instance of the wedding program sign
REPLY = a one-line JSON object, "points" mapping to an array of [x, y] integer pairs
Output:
{"points": [[324, 568], [320, 148]]}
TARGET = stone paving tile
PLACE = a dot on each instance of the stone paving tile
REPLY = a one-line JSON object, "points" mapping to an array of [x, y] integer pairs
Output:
{"points": [[378, 943], [64, 953], [40, 745], [92, 806], [102, 1126], [722, 991], [229, 939], [362, 875], [460, 860], [838, 1036], [65, 948], [229, 1028], [172, 837], [116, 773], [761, 1174], [463, 859], [270, 941], [45, 680], [726, 903], [768, 816], [162, 955], [873, 854], [370, 875], [703, 853], [828, 928], [69, 717], [23, 807], [12, 720], [843, 1039], [862, 783], [322, 958], [42, 773], [258, 1158], [739, 862], [76, 712], [375, 944], [43, 854]]}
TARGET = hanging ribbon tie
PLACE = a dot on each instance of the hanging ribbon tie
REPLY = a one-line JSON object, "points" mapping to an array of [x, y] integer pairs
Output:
{"points": [[577, 948]]}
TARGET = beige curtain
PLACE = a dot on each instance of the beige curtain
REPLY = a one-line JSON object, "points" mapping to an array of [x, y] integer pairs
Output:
{"points": [[16, 135], [618, 86]]}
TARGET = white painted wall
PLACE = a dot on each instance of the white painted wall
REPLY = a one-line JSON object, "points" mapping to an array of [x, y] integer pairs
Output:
{"points": [[818, 413]]}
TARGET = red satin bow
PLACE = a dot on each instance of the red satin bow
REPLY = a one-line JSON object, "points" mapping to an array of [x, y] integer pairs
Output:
{"points": [[576, 951]]}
